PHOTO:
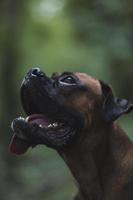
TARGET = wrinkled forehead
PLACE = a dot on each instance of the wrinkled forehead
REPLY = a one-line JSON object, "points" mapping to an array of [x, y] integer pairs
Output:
{"points": [[90, 82]]}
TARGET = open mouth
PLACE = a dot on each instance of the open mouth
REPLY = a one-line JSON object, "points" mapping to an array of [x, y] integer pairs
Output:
{"points": [[55, 133], [44, 122]]}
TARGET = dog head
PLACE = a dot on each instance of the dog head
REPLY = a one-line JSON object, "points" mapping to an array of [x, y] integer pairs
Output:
{"points": [[60, 108]]}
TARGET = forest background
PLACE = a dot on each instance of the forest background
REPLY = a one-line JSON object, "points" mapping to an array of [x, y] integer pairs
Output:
{"points": [[91, 36]]}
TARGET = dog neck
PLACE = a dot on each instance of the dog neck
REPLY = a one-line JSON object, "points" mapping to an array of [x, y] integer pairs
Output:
{"points": [[92, 159]]}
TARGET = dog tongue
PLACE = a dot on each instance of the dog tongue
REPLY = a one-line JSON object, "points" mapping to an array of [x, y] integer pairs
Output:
{"points": [[18, 146], [38, 119]]}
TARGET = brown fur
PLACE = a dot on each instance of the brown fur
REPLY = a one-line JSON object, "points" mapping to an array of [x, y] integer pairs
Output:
{"points": [[97, 151], [102, 159]]}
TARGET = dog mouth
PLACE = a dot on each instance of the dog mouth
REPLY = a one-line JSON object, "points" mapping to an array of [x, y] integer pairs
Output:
{"points": [[44, 122], [55, 133], [50, 125]]}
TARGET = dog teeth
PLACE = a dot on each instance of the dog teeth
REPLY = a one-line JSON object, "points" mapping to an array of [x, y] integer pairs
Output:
{"points": [[27, 119], [50, 126], [55, 124]]}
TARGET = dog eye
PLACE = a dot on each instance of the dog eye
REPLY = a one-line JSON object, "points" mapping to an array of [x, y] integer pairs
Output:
{"points": [[68, 80]]}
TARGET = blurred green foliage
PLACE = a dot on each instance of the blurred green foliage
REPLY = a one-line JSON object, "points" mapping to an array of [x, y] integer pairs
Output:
{"points": [[90, 36]]}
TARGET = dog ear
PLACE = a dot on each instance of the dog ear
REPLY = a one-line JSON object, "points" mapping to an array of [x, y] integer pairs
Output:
{"points": [[113, 107]]}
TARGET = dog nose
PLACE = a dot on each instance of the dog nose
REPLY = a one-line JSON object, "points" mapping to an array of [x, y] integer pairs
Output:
{"points": [[35, 72]]}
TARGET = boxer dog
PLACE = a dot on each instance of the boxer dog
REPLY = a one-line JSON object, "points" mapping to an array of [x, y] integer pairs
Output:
{"points": [[76, 114]]}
